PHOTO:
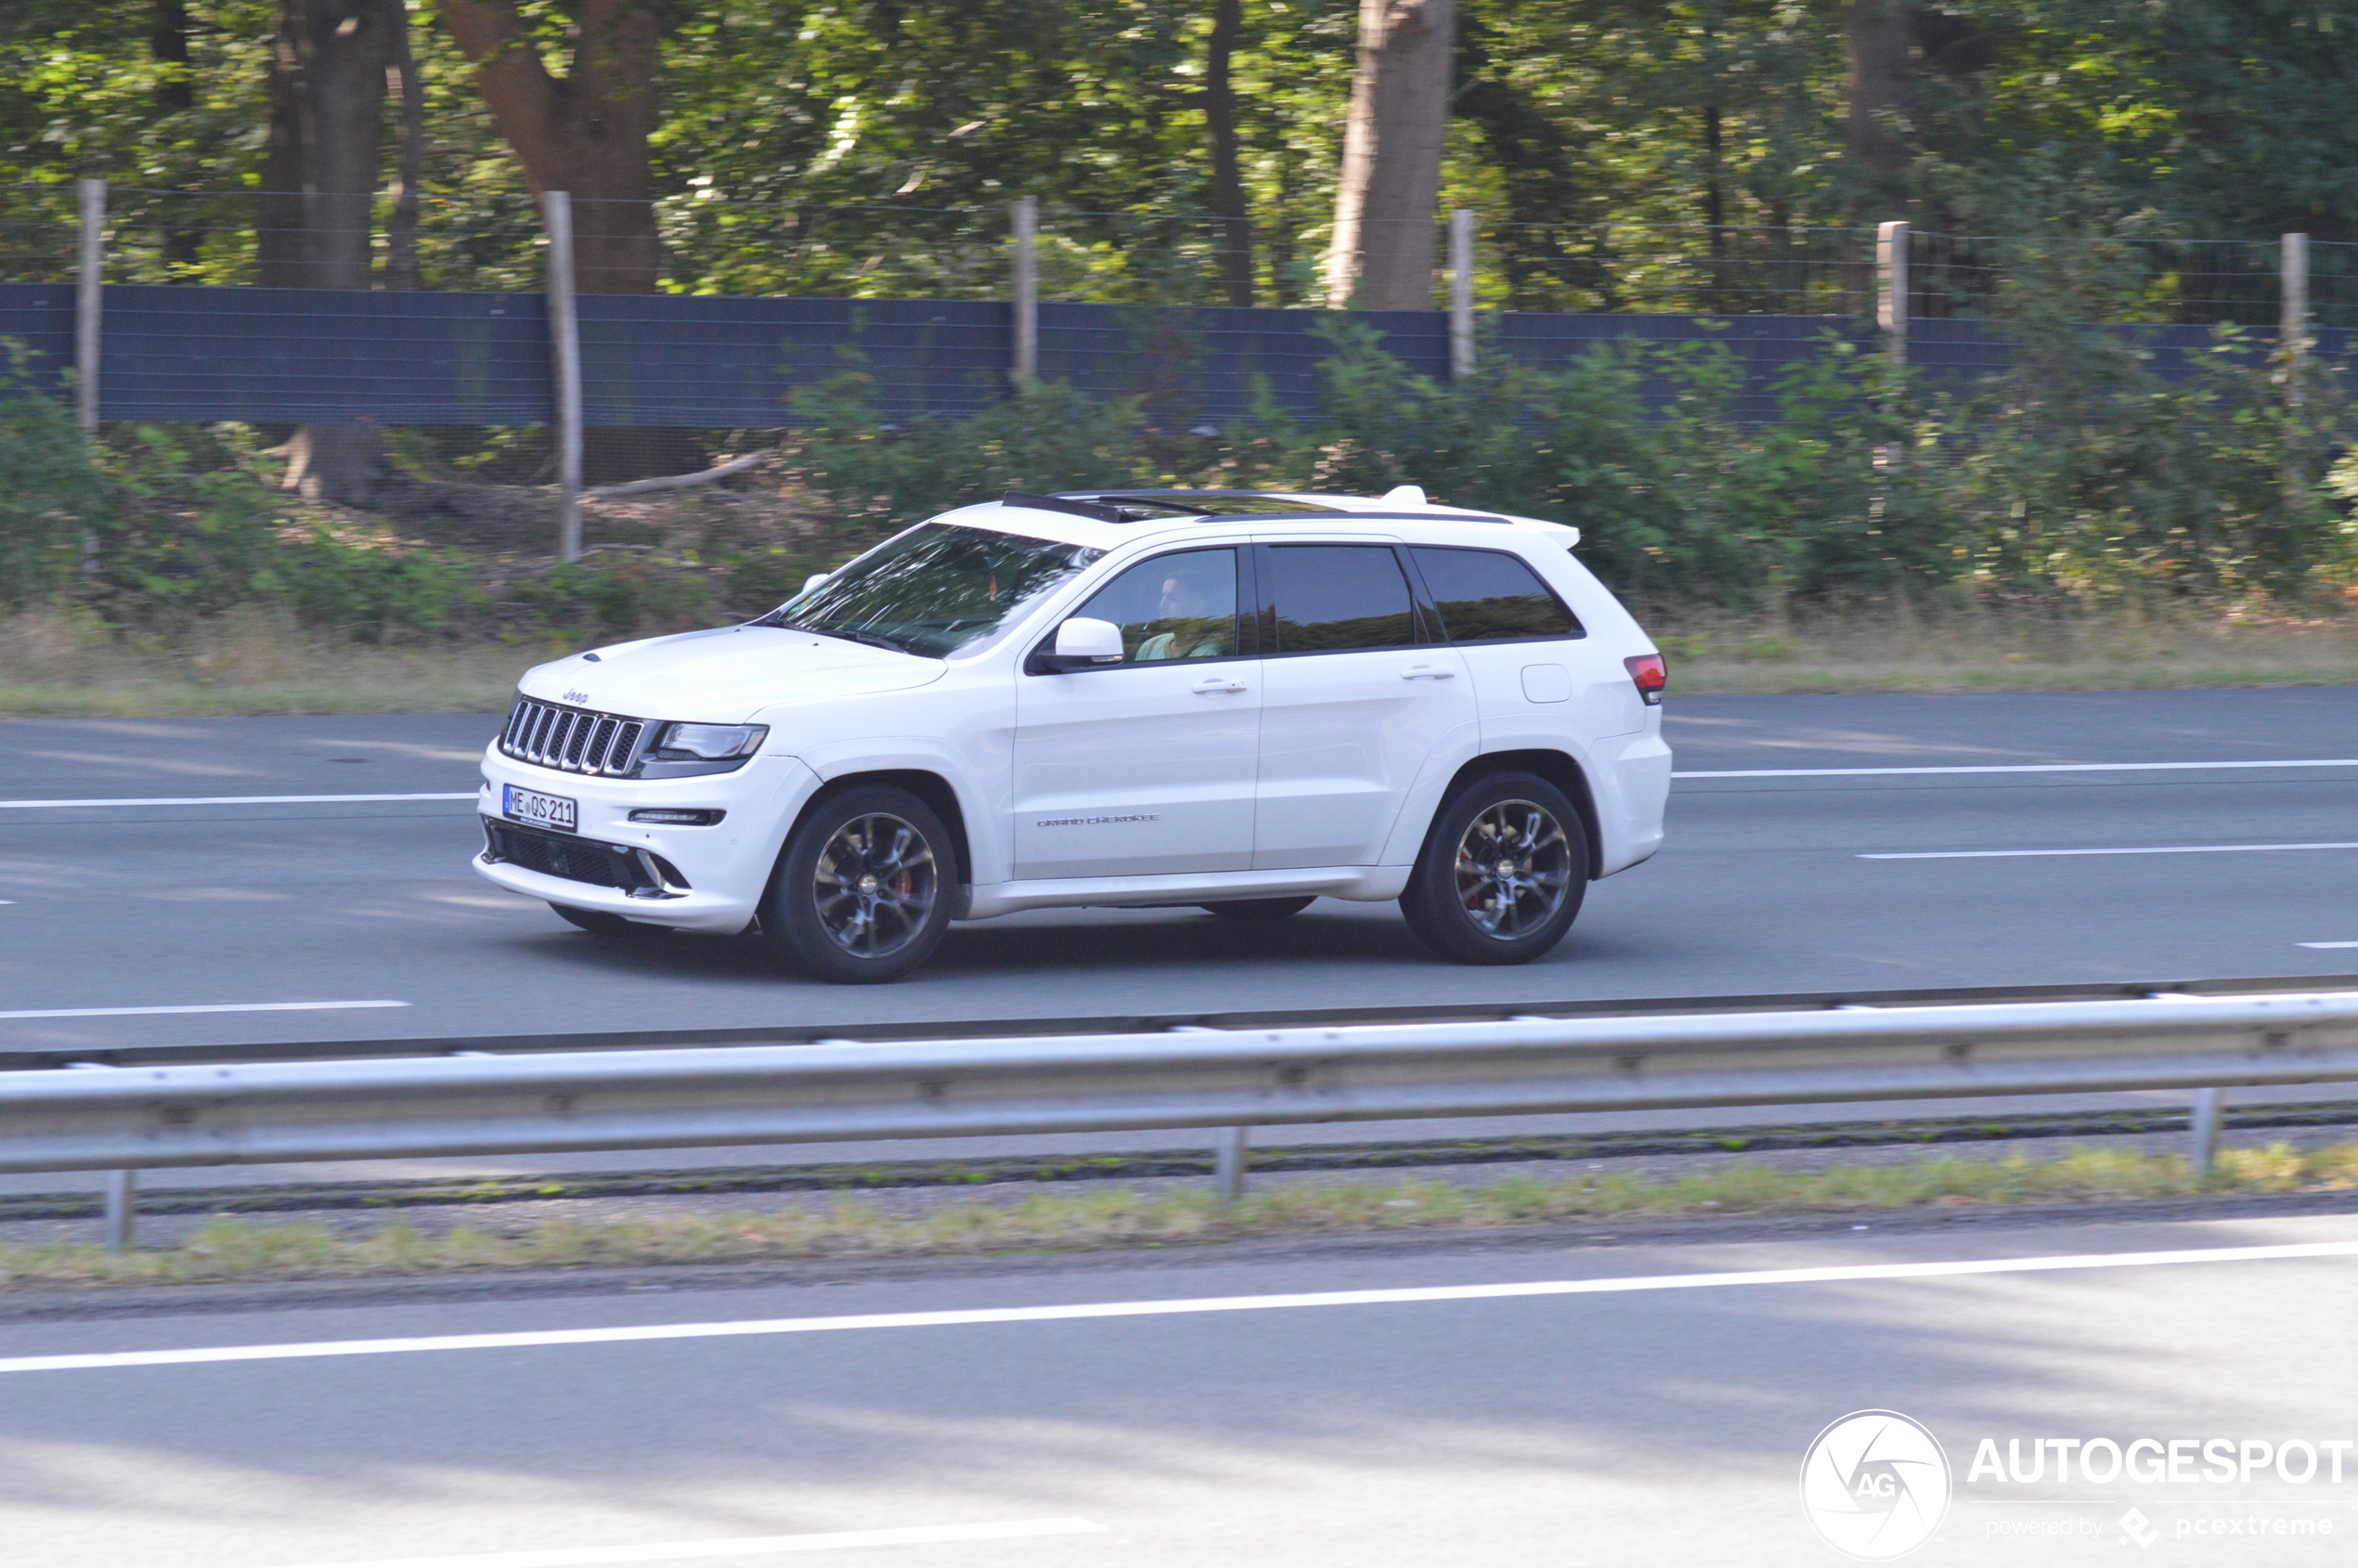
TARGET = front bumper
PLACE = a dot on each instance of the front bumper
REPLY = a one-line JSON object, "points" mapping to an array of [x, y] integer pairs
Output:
{"points": [[696, 878]]}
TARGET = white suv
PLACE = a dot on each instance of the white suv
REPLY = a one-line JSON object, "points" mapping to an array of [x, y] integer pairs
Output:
{"points": [[1233, 700]]}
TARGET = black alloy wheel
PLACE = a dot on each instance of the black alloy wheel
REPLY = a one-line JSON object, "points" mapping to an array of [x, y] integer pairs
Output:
{"points": [[1502, 873], [862, 894], [599, 923], [1255, 911]]}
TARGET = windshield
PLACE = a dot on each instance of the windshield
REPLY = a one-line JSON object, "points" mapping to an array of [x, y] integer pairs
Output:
{"points": [[934, 590]]}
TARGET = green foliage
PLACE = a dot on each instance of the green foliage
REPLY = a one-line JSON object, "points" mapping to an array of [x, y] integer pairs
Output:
{"points": [[49, 493], [2081, 473], [879, 476]]}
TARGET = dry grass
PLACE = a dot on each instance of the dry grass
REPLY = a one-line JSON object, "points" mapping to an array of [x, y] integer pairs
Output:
{"points": [[1994, 651], [53, 663], [57, 665], [227, 1250]]}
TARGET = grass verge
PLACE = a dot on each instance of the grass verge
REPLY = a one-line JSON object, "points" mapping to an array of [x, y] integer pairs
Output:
{"points": [[55, 666], [1975, 650], [225, 1250]]}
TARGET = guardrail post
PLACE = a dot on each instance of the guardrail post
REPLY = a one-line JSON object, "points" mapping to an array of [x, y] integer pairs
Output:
{"points": [[1461, 313], [123, 1210], [564, 364], [90, 303], [2207, 1106], [1025, 219], [1228, 1163]]}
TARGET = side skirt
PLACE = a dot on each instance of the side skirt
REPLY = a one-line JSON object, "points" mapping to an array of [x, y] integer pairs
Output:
{"points": [[1366, 884]]}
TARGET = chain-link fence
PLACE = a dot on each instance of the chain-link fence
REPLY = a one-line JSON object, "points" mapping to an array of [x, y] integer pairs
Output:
{"points": [[494, 242], [700, 313]]}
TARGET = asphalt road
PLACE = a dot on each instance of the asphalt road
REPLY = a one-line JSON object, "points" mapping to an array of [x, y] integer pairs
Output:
{"points": [[1765, 885], [1760, 888], [1662, 1420]]}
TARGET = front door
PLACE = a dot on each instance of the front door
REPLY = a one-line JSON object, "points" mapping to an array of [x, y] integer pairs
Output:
{"points": [[1355, 702], [1144, 767]]}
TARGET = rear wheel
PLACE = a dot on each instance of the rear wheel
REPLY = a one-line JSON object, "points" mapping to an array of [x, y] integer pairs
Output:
{"points": [[1502, 873], [598, 923], [861, 893], [1256, 909]]}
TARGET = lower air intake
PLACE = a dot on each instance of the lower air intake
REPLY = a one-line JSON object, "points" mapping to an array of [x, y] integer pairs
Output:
{"points": [[576, 860]]}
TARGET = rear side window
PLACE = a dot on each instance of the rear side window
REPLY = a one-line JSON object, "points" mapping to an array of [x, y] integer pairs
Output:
{"points": [[1490, 596], [1333, 598]]}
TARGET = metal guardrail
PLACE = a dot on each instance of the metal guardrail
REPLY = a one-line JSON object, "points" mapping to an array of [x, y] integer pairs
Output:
{"points": [[33, 1057], [221, 1114]]}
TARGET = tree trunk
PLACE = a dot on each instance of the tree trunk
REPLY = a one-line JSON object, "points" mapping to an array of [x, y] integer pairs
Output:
{"points": [[586, 133], [1382, 256], [1227, 176], [1715, 205], [329, 59], [176, 94], [1875, 56], [409, 161]]}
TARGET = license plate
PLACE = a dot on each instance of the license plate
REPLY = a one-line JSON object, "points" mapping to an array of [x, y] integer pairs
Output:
{"points": [[541, 811]]}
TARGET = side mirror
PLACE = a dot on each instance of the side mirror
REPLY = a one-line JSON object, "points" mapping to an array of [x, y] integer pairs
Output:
{"points": [[1082, 643], [815, 580]]}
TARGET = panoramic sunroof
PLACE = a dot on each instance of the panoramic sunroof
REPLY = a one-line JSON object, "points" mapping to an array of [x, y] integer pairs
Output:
{"points": [[1145, 505]]}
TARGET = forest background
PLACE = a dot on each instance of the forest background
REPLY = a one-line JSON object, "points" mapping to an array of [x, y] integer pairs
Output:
{"points": [[2089, 137]]}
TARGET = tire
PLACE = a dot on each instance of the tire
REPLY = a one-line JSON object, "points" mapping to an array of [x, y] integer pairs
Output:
{"points": [[863, 888], [598, 923], [1255, 911], [1458, 901]]}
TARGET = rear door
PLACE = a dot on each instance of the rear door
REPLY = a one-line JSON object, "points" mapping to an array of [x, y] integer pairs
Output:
{"points": [[1529, 655], [1357, 694], [1146, 766]]}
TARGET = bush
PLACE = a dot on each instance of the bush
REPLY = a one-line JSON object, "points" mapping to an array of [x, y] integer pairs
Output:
{"points": [[51, 498], [2075, 474]]}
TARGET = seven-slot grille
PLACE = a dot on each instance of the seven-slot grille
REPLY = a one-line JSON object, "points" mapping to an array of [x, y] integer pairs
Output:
{"points": [[573, 739]]}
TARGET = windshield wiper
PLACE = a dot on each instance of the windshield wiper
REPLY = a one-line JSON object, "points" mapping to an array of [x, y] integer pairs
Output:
{"points": [[870, 638]]}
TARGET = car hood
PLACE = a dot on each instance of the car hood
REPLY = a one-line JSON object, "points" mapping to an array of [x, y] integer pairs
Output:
{"points": [[726, 676]]}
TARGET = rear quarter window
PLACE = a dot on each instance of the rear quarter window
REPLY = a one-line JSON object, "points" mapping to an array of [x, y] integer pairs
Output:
{"points": [[1491, 596]]}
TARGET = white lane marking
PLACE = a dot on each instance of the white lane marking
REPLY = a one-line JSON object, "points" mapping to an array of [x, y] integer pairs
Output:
{"points": [[2007, 767], [199, 1007], [228, 800], [2329, 944], [2158, 850], [744, 1546], [1835, 1274]]}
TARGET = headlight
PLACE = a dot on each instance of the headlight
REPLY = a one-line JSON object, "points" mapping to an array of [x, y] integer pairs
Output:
{"points": [[707, 743], [681, 751]]}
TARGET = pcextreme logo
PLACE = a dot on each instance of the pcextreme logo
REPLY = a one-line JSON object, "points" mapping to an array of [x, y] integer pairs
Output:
{"points": [[1876, 1486]]}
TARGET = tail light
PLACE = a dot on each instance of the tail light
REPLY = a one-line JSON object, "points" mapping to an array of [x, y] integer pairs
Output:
{"points": [[1650, 674]]}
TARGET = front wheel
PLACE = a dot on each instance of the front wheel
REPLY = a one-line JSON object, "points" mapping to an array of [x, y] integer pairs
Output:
{"points": [[862, 894], [1502, 873]]}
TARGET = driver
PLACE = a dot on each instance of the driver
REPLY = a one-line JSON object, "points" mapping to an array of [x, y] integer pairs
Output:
{"points": [[1184, 612]]}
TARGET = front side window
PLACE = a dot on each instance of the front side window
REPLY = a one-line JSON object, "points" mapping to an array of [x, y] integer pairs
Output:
{"points": [[1490, 596], [934, 590], [1179, 606], [1334, 598]]}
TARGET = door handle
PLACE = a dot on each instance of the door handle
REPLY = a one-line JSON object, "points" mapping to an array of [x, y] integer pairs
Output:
{"points": [[1217, 683], [1428, 672]]}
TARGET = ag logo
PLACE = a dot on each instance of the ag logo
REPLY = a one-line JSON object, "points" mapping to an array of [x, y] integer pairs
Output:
{"points": [[1876, 1486]]}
